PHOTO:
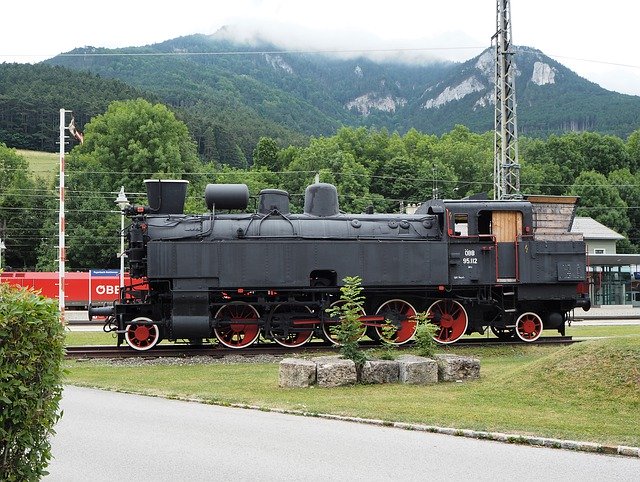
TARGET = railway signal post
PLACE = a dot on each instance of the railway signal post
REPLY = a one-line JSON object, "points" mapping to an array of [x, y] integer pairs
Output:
{"points": [[61, 232]]}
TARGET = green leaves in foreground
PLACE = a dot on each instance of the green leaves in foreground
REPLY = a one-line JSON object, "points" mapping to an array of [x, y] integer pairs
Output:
{"points": [[425, 333], [31, 354], [349, 311]]}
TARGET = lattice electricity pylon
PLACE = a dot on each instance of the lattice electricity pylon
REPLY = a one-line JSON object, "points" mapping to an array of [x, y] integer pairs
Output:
{"points": [[506, 169]]}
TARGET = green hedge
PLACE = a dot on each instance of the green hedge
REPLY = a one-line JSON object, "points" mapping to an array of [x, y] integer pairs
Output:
{"points": [[31, 355]]}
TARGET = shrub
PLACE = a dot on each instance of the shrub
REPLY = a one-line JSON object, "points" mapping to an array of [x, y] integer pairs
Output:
{"points": [[390, 350], [349, 312], [425, 332], [31, 354]]}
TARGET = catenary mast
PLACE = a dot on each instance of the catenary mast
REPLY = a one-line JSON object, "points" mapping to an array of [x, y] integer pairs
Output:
{"points": [[506, 169]]}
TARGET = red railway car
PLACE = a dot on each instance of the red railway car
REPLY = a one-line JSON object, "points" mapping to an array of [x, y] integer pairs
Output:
{"points": [[81, 288]]}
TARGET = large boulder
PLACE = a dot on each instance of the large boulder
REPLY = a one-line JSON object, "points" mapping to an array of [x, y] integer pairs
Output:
{"points": [[417, 370], [452, 368], [334, 371], [380, 371], [296, 373]]}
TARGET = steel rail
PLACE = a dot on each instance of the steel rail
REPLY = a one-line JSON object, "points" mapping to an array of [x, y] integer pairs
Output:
{"points": [[217, 351]]}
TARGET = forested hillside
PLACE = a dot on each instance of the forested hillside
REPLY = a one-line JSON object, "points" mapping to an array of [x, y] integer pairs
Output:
{"points": [[315, 93], [230, 94], [31, 97]]}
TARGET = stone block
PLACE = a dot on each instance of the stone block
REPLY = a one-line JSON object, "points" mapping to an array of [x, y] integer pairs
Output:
{"points": [[380, 371], [452, 368], [296, 373], [417, 370], [334, 371]]}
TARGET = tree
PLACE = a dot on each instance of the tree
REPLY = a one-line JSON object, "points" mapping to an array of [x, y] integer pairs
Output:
{"points": [[470, 156], [401, 179], [348, 311], [266, 154], [564, 151], [541, 179], [22, 210], [628, 186], [130, 142], [603, 153], [601, 201], [352, 182], [633, 149], [134, 140], [321, 153]]}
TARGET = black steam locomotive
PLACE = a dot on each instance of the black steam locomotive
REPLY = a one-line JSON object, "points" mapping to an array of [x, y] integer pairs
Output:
{"points": [[471, 265]]}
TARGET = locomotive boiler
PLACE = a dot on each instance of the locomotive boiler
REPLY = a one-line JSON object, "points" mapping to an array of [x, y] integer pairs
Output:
{"points": [[235, 275]]}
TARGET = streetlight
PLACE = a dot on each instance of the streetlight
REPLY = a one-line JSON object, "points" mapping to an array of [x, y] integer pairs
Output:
{"points": [[122, 203]]}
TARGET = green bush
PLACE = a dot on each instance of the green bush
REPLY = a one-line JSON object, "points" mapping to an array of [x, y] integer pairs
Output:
{"points": [[31, 355], [425, 343], [349, 312]]}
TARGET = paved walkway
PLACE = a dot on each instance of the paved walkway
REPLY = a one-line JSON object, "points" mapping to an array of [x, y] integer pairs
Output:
{"points": [[611, 311], [607, 315], [106, 436]]}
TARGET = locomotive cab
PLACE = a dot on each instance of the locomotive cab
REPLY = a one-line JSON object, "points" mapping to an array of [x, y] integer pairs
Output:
{"points": [[483, 239], [526, 274]]}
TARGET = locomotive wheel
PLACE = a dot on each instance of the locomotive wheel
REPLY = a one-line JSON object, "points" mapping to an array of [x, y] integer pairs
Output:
{"points": [[529, 327], [504, 333], [288, 335], [401, 314], [451, 318], [329, 326], [242, 330], [141, 336]]}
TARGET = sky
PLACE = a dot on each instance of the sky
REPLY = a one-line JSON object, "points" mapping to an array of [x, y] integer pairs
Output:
{"points": [[598, 40]]}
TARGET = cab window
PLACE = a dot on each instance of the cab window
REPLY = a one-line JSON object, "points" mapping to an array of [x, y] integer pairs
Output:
{"points": [[461, 224]]}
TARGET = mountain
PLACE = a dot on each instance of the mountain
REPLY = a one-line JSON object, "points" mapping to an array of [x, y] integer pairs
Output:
{"points": [[550, 98], [230, 93], [314, 93]]}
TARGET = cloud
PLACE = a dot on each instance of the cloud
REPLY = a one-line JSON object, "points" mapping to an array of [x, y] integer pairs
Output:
{"points": [[623, 80], [456, 46]]}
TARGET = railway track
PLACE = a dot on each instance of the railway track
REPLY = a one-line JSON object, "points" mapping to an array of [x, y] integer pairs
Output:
{"points": [[216, 351]]}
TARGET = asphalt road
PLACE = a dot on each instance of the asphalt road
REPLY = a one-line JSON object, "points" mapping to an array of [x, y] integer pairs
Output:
{"points": [[117, 437]]}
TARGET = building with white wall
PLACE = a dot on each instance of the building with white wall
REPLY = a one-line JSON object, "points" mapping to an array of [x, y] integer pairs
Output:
{"points": [[613, 280]]}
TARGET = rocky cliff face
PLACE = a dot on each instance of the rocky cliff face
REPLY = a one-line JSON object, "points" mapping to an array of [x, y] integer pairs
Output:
{"points": [[466, 91], [456, 92], [277, 62], [372, 101], [480, 79], [543, 74], [472, 81]]}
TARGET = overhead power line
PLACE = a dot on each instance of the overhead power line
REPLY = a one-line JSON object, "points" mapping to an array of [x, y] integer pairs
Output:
{"points": [[252, 52], [303, 51]]}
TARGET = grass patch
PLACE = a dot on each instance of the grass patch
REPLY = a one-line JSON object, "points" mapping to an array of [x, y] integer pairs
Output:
{"points": [[584, 331], [86, 338], [581, 331], [42, 164], [588, 391]]}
